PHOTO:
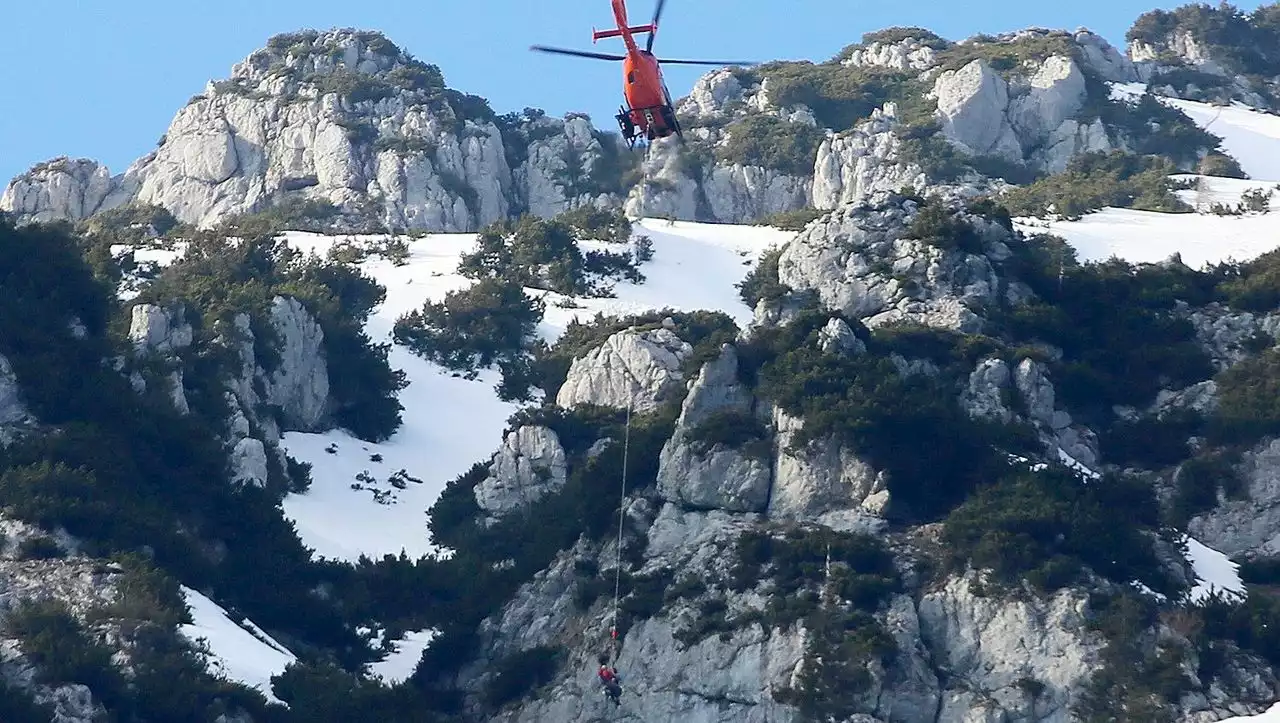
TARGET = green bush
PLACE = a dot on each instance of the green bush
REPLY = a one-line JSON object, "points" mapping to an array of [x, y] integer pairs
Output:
{"points": [[734, 429], [762, 282], [1199, 481], [1004, 55], [490, 322], [792, 220], [19, 706], [788, 147], [1046, 527], [1113, 322], [865, 403], [1248, 400], [1245, 44], [519, 674], [940, 227], [544, 254], [1094, 180]]}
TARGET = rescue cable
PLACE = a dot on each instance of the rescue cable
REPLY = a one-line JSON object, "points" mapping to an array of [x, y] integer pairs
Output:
{"points": [[622, 503]]}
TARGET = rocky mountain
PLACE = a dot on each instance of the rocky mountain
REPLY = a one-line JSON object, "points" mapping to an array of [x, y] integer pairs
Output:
{"points": [[349, 119], [891, 453]]}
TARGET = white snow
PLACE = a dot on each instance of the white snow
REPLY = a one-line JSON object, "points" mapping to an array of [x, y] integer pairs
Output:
{"points": [[247, 656], [451, 423], [403, 660], [1214, 571]]}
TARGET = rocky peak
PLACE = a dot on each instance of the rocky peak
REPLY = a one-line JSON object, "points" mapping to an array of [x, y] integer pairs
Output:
{"points": [[63, 188], [311, 55], [864, 262]]}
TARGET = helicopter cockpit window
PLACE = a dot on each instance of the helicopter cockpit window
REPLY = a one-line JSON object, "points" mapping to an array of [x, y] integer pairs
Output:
{"points": [[631, 77]]}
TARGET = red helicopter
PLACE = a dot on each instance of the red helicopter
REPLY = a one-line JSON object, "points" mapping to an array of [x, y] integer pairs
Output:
{"points": [[648, 110]]}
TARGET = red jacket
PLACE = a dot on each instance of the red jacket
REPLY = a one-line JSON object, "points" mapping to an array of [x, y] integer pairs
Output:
{"points": [[608, 675]]}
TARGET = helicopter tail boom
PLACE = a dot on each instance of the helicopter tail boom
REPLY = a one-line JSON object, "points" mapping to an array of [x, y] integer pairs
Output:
{"points": [[602, 34]]}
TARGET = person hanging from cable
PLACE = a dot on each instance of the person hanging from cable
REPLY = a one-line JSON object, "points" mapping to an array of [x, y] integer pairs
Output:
{"points": [[610, 679]]}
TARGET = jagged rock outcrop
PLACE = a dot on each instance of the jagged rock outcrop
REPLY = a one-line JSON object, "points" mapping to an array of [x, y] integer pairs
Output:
{"points": [[991, 648], [906, 54], [1077, 442], [853, 166], [637, 368], [1249, 524], [860, 261], [299, 384], [991, 393], [530, 465], [344, 117], [1230, 336], [1032, 120], [698, 475], [821, 478], [62, 189], [156, 329]]}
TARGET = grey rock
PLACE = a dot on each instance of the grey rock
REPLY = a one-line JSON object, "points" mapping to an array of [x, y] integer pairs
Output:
{"points": [[984, 397], [853, 166], [159, 330], [819, 478], [1250, 526], [637, 369], [60, 189], [249, 462], [859, 262], [299, 385], [838, 338], [530, 465]]}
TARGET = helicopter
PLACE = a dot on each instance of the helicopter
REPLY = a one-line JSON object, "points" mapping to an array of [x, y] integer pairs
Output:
{"points": [[648, 110]]}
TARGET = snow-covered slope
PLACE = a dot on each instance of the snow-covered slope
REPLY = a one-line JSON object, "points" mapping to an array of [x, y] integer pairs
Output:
{"points": [[242, 653], [1250, 136], [450, 423]]}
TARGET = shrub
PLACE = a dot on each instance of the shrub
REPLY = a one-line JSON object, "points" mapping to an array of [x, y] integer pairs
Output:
{"points": [[521, 673], [490, 322], [1047, 527], [937, 226], [762, 282], [1248, 400], [734, 429], [762, 140], [1094, 180], [544, 254], [794, 220], [1198, 481], [865, 403], [1113, 322]]}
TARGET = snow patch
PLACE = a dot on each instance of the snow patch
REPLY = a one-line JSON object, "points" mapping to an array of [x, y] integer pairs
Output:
{"points": [[403, 660], [240, 653], [1214, 572]]}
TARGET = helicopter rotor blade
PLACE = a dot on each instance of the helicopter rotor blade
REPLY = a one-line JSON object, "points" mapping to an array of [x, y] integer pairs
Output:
{"points": [[664, 61], [576, 53], [657, 14]]}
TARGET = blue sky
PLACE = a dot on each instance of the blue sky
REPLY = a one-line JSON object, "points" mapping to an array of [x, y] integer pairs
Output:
{"points": [[102, 79]]}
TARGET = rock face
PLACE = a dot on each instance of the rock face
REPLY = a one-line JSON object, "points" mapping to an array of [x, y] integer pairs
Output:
{"points": [[696, 476], [641, 369], [529, 465], [984, 114], [299, 385], [1227, 335], [61, 189], [1250, 525], [860, 261], [853, 166]]}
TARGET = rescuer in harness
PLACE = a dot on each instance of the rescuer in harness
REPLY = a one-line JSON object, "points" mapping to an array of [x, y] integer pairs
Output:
{"points": [[609, 679]]}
